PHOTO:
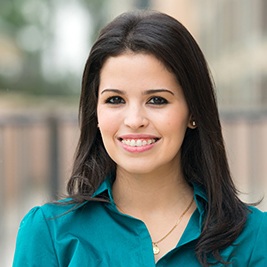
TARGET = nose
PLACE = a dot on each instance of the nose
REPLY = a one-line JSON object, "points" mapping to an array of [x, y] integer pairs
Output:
{"points": [[135, 117]]}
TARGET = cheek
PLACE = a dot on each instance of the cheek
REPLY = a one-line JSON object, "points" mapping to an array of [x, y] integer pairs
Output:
{"points": [[173, 122], [107, 123], [102, 117]]}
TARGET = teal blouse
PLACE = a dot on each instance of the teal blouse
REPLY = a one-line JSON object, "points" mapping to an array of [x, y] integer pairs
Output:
{"points": [[97, 234]]}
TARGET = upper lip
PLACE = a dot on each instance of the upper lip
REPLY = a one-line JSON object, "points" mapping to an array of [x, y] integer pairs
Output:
{"points": [[137, 136]]}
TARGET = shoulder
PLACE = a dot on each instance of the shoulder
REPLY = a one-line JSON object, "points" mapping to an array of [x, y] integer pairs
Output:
{"points": [[49, 214], [249, 249], [256, 218], [255, 233], [44, 236], [256, 222], [34, 242], [254, 229], [66, 210], [60, 208]]}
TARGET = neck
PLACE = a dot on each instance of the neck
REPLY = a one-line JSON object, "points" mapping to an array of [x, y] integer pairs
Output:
{"points": [[138, 193]]}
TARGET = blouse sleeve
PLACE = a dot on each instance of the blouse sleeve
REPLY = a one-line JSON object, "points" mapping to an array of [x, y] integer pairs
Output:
{"points": [[34, 246], [259, 254]]}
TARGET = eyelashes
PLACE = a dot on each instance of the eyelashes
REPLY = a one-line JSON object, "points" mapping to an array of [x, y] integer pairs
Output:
{"points": [[155, 100], [115, 100]]}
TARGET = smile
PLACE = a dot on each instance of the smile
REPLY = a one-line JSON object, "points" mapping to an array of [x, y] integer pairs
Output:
{"points": [[138, 142]]}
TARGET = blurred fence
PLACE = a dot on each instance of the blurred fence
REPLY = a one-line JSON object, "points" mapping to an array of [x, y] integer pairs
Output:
{"points": [[245, 137], [36, 154]]}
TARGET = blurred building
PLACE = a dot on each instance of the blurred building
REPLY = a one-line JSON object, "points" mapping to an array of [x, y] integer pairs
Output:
{"points": [[233, 36]]}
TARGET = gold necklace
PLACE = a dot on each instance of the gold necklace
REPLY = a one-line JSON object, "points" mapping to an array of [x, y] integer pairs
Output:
{"points": [[156, 249]]}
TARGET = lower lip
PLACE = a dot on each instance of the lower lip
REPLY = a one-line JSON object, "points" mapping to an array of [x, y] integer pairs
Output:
{"points": [[137, 149]]}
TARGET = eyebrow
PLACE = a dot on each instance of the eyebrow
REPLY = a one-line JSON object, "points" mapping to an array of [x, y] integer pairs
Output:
{"points": [[117, 91], [147, 92], [153, 91]]}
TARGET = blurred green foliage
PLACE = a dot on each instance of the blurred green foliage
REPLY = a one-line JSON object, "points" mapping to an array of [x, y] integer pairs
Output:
{"points": [[26, 31]]}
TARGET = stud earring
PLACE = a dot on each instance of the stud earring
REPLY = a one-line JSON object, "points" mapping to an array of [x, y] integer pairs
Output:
{"points": [[194, 123]]}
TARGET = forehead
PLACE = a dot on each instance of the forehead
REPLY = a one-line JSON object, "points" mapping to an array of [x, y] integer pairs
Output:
{"points": [[136, 73], [135, 67], [135, 62]]}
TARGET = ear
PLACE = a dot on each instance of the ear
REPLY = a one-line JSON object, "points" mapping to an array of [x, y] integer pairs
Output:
{"points": [[192, 122]]}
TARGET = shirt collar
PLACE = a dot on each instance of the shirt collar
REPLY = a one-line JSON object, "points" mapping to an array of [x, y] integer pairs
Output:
{"points": [[201, 200], [199, 192], [105, 187]]}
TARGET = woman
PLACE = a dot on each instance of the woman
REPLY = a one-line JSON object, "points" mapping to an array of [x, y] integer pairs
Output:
{"points": [[150, 184]]}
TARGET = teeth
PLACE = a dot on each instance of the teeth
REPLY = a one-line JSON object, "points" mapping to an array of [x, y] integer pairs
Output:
{"points": [[138, 142]]}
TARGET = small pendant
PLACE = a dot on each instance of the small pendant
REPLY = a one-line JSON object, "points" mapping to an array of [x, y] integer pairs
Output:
{"points": [[156, 249]]}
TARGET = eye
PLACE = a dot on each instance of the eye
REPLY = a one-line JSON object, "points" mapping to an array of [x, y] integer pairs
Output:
{"points": [[157, 100], [115, 100]]}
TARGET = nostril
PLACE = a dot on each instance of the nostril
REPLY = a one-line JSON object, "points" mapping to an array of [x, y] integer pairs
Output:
{"points": [[136, 121]]}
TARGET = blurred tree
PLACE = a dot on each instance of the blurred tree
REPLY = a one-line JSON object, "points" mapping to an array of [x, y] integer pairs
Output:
{"points": [[97, 10], [142, 4], [27, 32]]}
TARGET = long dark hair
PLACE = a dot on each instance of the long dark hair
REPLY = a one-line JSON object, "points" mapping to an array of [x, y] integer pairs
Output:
{"points": [[203, 154]]}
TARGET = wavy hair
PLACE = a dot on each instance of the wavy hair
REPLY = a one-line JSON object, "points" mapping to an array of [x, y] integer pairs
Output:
{"points": [[203, 153]]}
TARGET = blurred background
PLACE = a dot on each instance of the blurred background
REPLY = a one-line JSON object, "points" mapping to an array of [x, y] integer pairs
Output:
{"points": [[43, 49]]}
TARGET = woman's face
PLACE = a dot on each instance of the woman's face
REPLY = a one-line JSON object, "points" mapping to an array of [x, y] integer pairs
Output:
{"points": [[142, 114]]}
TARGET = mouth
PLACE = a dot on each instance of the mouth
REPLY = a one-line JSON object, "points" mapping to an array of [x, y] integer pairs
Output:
{"points": [[138, 142]]}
